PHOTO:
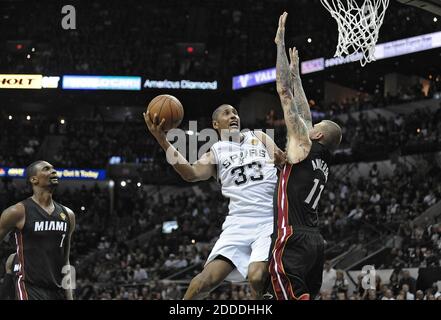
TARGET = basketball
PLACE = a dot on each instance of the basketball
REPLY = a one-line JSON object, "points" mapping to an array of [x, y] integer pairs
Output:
{"points": [[167, 107]]}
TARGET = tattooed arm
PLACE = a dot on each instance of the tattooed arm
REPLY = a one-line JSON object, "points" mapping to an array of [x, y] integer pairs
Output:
{"points": [[298, 142], [299, 96]]}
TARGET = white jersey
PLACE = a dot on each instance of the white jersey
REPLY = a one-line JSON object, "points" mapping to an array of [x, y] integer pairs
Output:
{"points": [[247, 175]]}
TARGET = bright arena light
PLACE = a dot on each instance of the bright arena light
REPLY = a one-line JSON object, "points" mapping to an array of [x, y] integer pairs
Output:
{"points": [[28, 118], [435, 19], [139, 184], [123, 184], [309, 40], [10, 117], [82, 208], [62, 121]]}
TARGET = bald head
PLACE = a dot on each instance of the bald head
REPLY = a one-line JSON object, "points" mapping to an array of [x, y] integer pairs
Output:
{"points": [[328, 133], [219, 110]]}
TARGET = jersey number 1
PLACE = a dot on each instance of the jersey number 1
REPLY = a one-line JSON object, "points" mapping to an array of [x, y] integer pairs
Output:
{"points": [[62, 239], [312, 192]]}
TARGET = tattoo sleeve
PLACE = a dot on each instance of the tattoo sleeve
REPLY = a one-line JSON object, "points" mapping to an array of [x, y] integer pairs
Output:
{"points": [[283, 77], [295, 125], [301, 101]]}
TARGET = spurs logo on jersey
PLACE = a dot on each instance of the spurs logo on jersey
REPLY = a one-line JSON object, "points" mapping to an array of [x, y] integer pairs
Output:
{"points": [[239, 157], [247, 175]]}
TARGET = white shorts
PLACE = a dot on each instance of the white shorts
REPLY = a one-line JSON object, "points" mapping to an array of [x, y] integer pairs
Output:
{"points": [[243, 241]]}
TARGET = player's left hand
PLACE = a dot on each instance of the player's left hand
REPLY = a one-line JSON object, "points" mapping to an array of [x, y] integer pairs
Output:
{"points": [[294, 64], [155, 126], [279, 158], [280, 35]]}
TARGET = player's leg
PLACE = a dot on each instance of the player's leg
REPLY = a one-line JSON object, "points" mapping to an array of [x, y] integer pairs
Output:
{"points": [[212, 276], [288, 268], [257, 277], [258, 267], [314, 277]]}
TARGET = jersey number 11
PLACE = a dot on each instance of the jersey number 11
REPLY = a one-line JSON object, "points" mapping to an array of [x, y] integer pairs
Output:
{"points": [[312, 192]]}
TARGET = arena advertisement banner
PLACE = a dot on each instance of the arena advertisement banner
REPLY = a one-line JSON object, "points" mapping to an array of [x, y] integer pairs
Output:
{"points": [[254, 78], [313, 65], [382, 51], [180, 84], [74, 82], [394, 48], [28, 81], [67, 174], [20, 81]]}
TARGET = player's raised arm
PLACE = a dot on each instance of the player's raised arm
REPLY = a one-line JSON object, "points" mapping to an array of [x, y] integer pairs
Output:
{"points": [[12, 217], [299, 143], [283, 79], [299, 94], [203, 169]]}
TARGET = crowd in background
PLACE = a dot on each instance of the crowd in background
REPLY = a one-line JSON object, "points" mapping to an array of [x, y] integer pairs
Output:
{"points": [[111, 39], [94, 143], [124, 253], [121, 248]]}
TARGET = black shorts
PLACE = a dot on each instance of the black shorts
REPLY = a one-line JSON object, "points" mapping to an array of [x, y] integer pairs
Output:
{"points": [[32, 292], [296, 264]]}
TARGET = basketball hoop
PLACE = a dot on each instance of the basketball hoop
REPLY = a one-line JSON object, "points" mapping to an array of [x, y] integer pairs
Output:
{"points": [[358, 26]]}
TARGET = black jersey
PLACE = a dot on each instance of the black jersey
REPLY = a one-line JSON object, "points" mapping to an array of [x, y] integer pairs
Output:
{"points": [[41, 247], [299, 189], [7, 289]]}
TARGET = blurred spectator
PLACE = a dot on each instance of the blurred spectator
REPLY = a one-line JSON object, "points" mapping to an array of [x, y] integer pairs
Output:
{"points": [[329, 276]]}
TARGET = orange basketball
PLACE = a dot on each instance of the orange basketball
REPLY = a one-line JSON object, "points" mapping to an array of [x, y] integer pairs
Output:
{"points": [[167, 107]]}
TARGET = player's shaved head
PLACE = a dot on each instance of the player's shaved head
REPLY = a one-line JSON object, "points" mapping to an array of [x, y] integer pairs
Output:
{"points": [[331, 134], [218, 110], [31, 170]]}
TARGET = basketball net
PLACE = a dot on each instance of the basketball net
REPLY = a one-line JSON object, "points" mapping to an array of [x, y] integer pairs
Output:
{"points": [[358, 26]]}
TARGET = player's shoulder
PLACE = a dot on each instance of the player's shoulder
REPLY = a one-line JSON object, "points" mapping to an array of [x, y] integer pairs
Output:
{"points": [[258, 137], [258, 134], [68, 210], [17, 209], [70, 214]]}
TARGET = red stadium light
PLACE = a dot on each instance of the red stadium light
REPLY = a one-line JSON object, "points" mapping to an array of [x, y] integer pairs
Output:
{"points": [[190, 49], [19, 46]]}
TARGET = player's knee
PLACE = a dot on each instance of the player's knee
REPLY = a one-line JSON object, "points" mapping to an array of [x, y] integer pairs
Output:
{"points": [[257, 278]]}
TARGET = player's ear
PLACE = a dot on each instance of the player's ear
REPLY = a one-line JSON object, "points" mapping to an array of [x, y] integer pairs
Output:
{"points": [[215, 124], [315, 135], [33, 180]]}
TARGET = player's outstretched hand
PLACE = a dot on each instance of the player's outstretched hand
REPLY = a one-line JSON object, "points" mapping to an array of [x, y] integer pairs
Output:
{"points": [[155, 127], [279, 159], [294, 64], [280, 35]]}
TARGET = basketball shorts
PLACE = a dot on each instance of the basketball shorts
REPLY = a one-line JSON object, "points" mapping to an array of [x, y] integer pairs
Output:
{"points": [[296, 264], [243, 241], [32, 292]]}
